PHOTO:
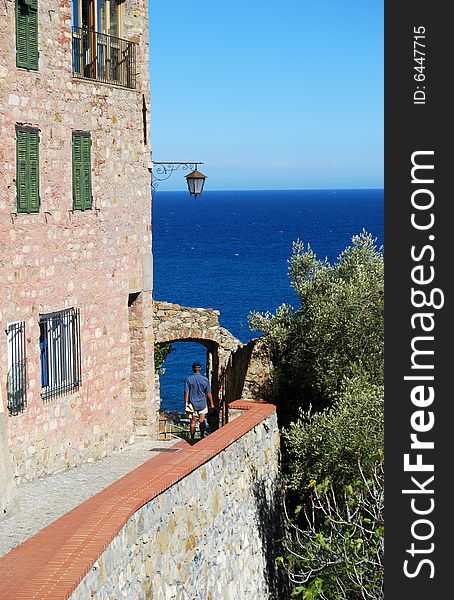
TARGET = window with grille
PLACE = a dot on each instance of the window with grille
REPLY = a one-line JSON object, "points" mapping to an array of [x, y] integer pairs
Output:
{"points": [[27, 34], [17, 376], [59, 342], [82, 196], [27, 169]]}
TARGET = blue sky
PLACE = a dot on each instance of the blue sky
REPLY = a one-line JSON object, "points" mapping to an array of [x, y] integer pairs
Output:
{"points": [[269, 95]]}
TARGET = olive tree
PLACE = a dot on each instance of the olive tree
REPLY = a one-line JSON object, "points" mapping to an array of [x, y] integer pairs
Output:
{"points": [[337, 331], [327, 375], [339, 553]]}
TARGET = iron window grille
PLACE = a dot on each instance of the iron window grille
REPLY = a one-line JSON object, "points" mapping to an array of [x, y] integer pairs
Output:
{"points": [[59, 343], [17, 373], [103, 57]]}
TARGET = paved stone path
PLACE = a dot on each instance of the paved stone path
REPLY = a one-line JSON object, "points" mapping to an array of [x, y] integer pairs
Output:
{"points": [[45, 499]]}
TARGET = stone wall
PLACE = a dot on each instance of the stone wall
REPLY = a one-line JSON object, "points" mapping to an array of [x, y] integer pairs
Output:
{"points": [[144, 400], [257, 380], [248, 372], [8, 489], [60, 258], [173, 322], [209, 536]]}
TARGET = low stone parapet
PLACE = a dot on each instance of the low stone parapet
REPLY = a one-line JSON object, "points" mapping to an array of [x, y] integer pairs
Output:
{"points": [[195, 523]]}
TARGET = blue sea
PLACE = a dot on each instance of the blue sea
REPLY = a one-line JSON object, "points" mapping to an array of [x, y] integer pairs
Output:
{"points": [[229, 250]]}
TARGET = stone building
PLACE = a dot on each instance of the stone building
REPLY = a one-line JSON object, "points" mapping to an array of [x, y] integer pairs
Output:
{"points": [[76, 336]]}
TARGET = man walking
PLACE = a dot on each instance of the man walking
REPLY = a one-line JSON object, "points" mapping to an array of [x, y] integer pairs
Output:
{"points": [[197, 391]]}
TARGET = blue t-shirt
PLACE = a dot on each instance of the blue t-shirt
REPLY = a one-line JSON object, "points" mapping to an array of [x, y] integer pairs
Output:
{"points": [[198, 387]]}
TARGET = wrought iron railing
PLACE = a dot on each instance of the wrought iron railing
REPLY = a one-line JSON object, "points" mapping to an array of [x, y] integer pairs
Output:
{"points": [[59, 342], [103, 57]]}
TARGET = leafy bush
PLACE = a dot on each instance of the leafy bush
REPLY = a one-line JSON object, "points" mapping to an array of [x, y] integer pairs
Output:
{"points": [[161, 351], [328, 384], [337, 332], [330, 443], [338, 555]]}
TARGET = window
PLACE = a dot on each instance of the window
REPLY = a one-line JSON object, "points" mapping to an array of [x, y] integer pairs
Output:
{"points": [[27, 34], [60, 352], [103, 16], [16, 378], [99, 50], [82, 198], [27, 169]]}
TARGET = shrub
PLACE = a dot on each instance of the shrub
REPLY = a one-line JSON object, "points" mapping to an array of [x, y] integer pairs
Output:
{"points": [[330, 443], [328, 382], [338, 555], [336, 333]]}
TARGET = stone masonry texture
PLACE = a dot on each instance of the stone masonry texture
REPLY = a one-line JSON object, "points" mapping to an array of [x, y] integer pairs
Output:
{"points": [[173, 322], [92, 260], [207, 537], [8, 494]]}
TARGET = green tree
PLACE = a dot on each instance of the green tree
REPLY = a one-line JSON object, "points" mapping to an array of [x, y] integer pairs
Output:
{"points": [[328, 387], [331, 443], [338, 554], [336, 333]]}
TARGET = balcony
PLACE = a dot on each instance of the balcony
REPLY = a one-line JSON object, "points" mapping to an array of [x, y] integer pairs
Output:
{"points": [[101, 57]]}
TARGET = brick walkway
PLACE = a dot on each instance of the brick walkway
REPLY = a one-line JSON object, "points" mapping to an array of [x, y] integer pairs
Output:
{"points": [[45, 499], [61, 554]]}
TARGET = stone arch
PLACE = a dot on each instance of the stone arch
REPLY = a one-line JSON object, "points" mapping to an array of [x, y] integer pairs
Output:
{"points": [[176, 323], [173, 322]]}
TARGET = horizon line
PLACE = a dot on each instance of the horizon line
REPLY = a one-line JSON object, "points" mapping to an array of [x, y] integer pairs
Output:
{"points": [[278, 189]]}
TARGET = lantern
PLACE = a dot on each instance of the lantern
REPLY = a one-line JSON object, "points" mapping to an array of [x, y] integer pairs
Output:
{"points": [[195, 181]]}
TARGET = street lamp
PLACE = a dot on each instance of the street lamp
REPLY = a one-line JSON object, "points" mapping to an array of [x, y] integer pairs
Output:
{"points": [[160, 171], [195, 181]]}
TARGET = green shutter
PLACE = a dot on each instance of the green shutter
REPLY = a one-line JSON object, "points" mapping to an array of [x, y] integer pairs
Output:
{"points": [[82, 196], [77, 172], [33, 176], [86, 162], [21, 171], [21, 35], [33, 37], [27, 171], [27, 34]]}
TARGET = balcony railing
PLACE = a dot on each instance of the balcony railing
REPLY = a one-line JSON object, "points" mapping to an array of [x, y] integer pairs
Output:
{"points": [[103, 57]]}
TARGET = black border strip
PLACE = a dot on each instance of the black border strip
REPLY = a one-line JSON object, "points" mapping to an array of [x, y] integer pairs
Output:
{"points": [[416, 121]]}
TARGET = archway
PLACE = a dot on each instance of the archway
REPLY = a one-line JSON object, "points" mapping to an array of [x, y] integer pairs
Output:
{"points": [[177, 366], [176, 323]]}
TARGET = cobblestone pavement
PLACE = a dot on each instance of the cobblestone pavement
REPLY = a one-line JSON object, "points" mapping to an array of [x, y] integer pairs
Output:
{"points": [[47, 498]]}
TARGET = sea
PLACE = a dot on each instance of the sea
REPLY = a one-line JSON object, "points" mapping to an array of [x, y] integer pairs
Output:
{"points": [[229, 250]]}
